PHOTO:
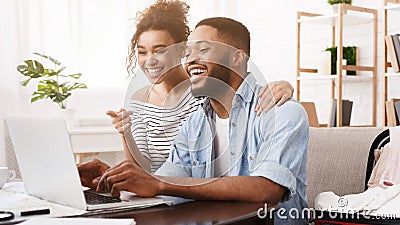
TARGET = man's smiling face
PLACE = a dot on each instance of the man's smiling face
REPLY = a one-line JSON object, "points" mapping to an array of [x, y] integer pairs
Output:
{"points": [[207, 57]]}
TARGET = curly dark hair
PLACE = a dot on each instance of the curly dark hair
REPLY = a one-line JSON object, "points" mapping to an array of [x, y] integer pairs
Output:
{"points": [[170, 16]]}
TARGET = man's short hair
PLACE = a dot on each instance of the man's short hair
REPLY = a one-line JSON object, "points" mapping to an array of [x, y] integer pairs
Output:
{"points": [[233, 32]]}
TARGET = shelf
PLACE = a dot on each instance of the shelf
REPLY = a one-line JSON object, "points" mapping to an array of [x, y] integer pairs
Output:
{"points": [[333, 77], [394, 7], [92, 130], [393, 75], [331, 20], [344, 67], [355, 15], [388, 77]]}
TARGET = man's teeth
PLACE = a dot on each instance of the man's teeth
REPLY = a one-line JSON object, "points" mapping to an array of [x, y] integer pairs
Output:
{"points": [[197, 71], [154, 70]]}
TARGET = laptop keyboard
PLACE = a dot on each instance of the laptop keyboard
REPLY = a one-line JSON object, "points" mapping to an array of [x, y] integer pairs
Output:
{"points": [[97, 199]]}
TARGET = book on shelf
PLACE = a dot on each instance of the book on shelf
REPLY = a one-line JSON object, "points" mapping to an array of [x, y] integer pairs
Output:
{"points": [[393, 112], [396, 43], [347, 107], [394, 57], [397, 109], [311, 113]]}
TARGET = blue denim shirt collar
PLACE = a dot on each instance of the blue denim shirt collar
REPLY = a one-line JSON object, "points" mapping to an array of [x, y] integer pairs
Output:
{"points": [[245, 91]]}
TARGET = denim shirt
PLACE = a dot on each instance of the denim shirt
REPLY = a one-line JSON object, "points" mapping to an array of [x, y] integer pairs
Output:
{"points": [[273, 145]]}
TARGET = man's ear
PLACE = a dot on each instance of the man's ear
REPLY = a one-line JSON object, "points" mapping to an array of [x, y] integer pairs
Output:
{"points": [[238, 57]]}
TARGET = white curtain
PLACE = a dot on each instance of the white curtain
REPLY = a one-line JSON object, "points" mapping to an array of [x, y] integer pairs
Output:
{"points": [[11, 50], [89, 36]]}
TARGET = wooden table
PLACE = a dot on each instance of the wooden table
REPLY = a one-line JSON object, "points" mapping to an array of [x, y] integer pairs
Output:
{"points": [[195, 212], [204, 212]]}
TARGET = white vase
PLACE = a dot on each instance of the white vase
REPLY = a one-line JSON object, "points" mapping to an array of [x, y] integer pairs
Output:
{"points": [[335, 9], [324, 64]]}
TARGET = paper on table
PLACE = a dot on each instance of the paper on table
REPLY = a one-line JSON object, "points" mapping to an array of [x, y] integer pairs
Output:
{"points": [[13, 198], [80, 221]]}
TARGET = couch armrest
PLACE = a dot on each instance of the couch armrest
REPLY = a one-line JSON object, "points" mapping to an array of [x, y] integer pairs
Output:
{"points": [[337, 159]]}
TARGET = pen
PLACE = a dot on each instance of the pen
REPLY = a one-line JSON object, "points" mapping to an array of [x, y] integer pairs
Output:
{"points": [[35, 212]]}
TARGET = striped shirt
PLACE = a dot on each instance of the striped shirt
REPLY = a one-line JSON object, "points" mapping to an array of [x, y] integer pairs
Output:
{"points": [[155, 127]]}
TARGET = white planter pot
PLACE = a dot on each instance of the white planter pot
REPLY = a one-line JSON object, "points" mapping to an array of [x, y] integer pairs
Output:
{"points": [[335, 9]]}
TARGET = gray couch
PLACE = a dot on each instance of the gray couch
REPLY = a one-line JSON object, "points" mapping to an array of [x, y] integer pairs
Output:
{"points": [[337, 159]]}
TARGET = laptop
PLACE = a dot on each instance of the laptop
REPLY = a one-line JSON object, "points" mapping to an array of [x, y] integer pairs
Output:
{"points": [[46, 161]]}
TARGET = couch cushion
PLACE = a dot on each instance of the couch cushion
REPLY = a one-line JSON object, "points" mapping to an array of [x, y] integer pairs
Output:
{"points": [[337, 159]]}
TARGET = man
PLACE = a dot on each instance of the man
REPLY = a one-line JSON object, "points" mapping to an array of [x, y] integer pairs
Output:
{"points": [[266, 155]]}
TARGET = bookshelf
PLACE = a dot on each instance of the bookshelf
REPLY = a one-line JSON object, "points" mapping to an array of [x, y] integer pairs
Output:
{"points": [[305, 77], [389, 7], [336, 22]]}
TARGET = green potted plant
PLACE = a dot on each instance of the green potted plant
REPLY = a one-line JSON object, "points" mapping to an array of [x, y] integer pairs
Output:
{"points": [[335, 3], [349, 54], [52, 83]]}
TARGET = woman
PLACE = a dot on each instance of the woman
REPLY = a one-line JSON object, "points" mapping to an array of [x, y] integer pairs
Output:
{"points": [[158, 110]]}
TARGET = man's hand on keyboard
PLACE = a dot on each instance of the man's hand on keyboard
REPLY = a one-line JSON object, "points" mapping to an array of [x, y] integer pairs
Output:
{"points": [[128, 176], [91, 172]]}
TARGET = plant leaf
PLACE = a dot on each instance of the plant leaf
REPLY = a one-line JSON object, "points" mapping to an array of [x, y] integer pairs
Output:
{"points": [[25, 82], [55, 61], [33, 69], [60, 70], [49, 82], [76, 75], [76, 86], [39, 67], [37, 95], [42, 87], [50, 72]]}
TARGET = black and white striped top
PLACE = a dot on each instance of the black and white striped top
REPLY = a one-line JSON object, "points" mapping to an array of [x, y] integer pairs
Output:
{"points": [[154, 127]]}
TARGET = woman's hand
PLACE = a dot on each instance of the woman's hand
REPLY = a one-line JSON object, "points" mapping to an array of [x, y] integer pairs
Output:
{"points": [[121, 120], [277, 92]]}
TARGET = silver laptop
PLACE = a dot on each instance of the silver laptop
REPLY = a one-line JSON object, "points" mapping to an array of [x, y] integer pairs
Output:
{"points": [[46, 161]]}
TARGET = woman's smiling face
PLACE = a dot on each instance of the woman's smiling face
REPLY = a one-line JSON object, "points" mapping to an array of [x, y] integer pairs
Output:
{"points": [[157, 54]]}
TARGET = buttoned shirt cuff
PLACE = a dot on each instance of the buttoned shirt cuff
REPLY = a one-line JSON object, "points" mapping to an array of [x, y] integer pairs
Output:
{"points": [[169, 169], [278, 174]]}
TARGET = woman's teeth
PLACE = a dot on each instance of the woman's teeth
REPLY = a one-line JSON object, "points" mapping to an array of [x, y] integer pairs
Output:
{"points": [[153, 71]]}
